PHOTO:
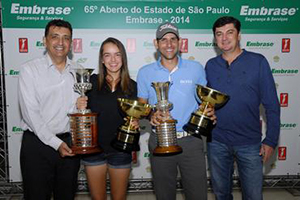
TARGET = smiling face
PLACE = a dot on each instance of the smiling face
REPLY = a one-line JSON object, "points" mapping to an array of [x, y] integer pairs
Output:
{"points": [[228, 38], [168, 46], [58, 42], [112, 59]]}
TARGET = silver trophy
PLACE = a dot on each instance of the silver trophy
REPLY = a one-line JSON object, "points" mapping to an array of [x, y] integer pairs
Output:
{"points": [[166, 131], [83, 124]]}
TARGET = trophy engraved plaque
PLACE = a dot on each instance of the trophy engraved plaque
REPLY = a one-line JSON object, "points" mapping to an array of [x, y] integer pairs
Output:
{"points": [[200, 124], [128, 136], [166, 131], [83, 124]]}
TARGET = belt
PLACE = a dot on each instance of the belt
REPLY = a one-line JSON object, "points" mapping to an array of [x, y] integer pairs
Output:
{"points": [[182, 134]]}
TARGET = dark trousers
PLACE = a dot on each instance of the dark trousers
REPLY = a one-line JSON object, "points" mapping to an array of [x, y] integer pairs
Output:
{"points": [[45, 172]]}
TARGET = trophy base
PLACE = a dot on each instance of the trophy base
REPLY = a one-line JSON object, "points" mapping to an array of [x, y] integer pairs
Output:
{"points": [[199, 125], [167, 151], [127, 142], [86, 150]]}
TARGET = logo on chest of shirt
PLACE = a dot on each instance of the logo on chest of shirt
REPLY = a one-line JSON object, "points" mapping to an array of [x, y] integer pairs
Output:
{"points": [[23, 45], [186, 81], [77, 45]]}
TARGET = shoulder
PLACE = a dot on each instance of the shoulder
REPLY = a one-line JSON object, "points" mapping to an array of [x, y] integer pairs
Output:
{"points": [[253, 55], [191, 64], [33, 65], [147, 68]]}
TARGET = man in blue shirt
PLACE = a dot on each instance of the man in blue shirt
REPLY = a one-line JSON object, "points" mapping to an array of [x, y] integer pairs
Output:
{"points": [[184, 75], [246, 77]]}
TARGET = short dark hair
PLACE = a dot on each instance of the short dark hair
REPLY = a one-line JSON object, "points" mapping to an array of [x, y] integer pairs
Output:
{"points": [[58, 23], [222, 21]]}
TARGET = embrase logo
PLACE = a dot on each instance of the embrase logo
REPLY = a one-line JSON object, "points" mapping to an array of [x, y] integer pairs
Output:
{"points": [[288, 126], [263, 11], [13, 72], [259, 44], [16, 129], [205, 44], [284, 72], [16, 8]]}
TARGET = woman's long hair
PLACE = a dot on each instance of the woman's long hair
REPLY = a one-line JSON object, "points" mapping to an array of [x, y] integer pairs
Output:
{"points": [[125, 82]]}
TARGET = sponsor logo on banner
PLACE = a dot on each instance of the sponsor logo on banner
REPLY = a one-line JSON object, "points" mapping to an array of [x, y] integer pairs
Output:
{"points": [[13, 72], [264, 14], [281, 153], [95, 44], [16, 129], [77, 45], [23, 45], [146, 154], [284, 99], [276, 59], [288, 126], [286, 45], [148, 59], [259, 45], [191, 58], [184, 45], [205, 45], [17, 8], [285, 72], [148, 45], [39, 44], [131, 45], [81, 60]]}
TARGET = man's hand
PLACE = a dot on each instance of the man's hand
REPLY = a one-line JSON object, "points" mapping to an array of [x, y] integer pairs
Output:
{"points": [[81, 103], [158, 117], [64, 150], [210, 112], [266, 152]]}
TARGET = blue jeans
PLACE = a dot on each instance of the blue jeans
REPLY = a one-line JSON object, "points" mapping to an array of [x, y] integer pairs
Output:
{"points": [[250, 168], [116, 160]]}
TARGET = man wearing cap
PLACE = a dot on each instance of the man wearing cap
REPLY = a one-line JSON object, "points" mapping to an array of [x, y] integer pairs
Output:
{"points": [[184, 75]]}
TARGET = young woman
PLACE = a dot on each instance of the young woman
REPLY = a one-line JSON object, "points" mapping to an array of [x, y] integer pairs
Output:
{"points": [[112, 82]]}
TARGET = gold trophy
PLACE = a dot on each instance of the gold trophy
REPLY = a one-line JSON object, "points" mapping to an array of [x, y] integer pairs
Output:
{"points": [[128, 137], [83, 124], [166, 131], [199, 123]]}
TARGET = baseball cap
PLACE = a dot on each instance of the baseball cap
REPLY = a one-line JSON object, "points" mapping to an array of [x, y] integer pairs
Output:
{"points": [[165, 28]]}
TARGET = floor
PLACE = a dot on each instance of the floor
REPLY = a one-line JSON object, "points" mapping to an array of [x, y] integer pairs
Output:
{"points": [[269, 194]]}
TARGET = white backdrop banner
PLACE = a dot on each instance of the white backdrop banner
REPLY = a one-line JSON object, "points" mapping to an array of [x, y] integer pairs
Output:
{"points": [[272, 29]]}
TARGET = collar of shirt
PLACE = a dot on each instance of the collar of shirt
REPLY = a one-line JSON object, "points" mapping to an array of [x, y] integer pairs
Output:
{"points": [[159, 66], [50, 63]]}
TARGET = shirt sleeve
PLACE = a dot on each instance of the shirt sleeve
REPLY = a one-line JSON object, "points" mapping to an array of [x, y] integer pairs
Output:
{"points": [[202, 78], [271, 104], [142, 85], [30, 109]]}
